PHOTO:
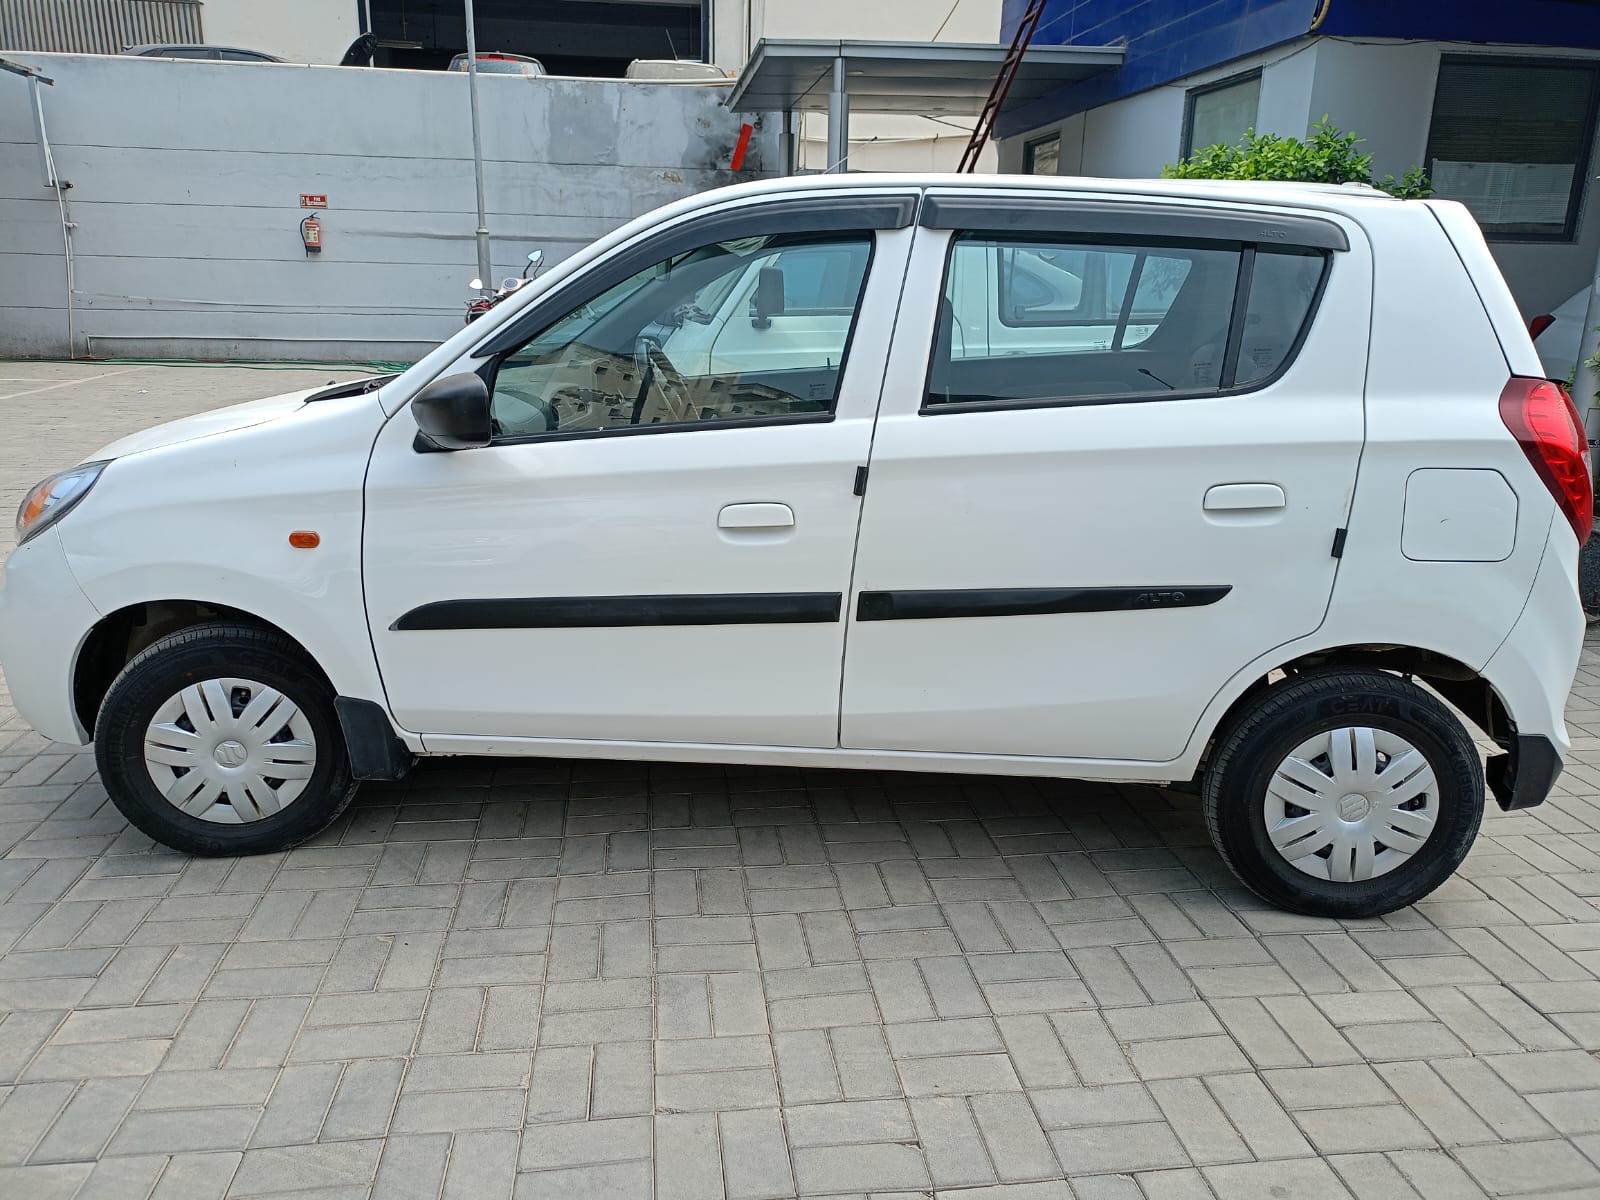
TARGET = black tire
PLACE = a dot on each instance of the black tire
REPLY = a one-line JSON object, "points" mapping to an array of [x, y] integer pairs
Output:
{"points": [[1268, 727], [216, 651], [1589, 579]]}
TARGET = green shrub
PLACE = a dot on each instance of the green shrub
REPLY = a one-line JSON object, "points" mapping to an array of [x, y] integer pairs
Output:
{"points": [[1328, 155]]}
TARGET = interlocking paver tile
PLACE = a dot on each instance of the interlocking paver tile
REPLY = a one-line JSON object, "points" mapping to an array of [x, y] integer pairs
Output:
{"points": [[562, 978], [1118, 1148], [1517, 1168]]}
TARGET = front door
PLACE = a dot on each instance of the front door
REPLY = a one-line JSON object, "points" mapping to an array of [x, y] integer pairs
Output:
{"points": [[1116, 483], [656, 545]]}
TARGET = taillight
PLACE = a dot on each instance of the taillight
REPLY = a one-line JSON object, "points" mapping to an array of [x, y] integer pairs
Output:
{"points": [[1539, 324], [1542, 417]]}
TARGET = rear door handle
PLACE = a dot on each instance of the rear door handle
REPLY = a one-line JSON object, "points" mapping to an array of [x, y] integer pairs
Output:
{"points": [[756, 516], [1232, 497]]}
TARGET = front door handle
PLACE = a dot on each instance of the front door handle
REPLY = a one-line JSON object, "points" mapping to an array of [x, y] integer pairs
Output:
{"points": [[1234, 497], [756, 516]]}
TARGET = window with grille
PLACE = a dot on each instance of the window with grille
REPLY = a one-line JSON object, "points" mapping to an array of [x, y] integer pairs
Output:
{"points": [[1510, 139]]}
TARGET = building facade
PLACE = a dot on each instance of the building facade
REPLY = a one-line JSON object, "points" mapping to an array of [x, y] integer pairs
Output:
{"points": [[1496, 100], [570, 37]]}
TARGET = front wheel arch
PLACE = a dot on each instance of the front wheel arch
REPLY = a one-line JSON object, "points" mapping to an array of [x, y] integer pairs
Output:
{"points": [[219, 691], [121, 636]]}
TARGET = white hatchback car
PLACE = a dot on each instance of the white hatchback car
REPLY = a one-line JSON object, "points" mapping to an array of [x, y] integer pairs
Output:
{"points": [[1088, 478]]}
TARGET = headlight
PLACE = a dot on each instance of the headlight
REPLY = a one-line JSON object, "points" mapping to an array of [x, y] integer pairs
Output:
{"points": [[54, 498]]}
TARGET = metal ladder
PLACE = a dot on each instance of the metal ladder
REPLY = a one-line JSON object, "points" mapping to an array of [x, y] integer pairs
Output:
{"points": [[1002, 87]]}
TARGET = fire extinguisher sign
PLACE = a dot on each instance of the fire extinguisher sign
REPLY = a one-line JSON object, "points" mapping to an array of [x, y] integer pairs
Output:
{"points": [[313, 200]]}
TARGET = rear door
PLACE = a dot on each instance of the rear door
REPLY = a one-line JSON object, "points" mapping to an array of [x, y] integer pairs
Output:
{"points": [[1090, 506]]}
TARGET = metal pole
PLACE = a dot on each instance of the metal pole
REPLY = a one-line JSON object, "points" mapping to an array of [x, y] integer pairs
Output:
{"points": [[838, 122], [485, 268], [55, 184], [1585, 383]]}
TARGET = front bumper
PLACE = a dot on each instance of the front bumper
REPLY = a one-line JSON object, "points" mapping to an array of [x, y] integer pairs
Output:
{"points": [[44, 619]]}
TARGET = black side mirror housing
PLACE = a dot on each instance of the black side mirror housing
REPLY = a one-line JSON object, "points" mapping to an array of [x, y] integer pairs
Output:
{"points": [[452, 413], [768, 301]]}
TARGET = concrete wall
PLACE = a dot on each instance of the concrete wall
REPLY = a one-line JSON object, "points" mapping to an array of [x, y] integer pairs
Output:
{"points": [[186, 179], [301, 31], [1381, 90]]}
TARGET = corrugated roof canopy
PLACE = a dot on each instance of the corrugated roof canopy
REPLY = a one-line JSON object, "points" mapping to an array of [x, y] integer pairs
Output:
{"points": [[922, 78]]}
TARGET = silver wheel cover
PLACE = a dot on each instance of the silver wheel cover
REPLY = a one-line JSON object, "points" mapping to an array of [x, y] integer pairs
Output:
{"points": [[230, 751], [1351, 804]]}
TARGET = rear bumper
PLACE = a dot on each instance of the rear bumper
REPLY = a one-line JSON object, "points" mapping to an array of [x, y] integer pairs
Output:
{"points": [[44, 618], [1532, 672], [1523, 777]]}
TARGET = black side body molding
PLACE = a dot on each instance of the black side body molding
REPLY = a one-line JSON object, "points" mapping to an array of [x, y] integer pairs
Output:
{"points": [[615, 612], [1523, 778], [1026, 602], [375, 752]]}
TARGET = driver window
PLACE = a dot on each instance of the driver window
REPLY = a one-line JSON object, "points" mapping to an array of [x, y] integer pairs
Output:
{"points": [[743, 330]]}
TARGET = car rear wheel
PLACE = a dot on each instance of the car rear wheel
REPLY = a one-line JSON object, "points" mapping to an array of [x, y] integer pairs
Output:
{"points": [[223, 739], [1344, 794], [1589, 579]]}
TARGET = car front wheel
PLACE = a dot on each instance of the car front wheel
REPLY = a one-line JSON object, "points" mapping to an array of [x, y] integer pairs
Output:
{"points": [[222, 739], [1344, 794]]}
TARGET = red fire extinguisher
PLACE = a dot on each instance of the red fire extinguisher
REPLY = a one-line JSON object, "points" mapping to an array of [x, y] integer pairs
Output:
{"points": [[311, 234]]}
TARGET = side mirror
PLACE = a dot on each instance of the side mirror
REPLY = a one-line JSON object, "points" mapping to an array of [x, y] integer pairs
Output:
{"points": [[535, 261], [453, 413], [768, 301]]}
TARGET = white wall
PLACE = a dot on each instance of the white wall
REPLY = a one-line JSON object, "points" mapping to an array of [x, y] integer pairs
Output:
{"points": [[186, 179], [1133, 138], [894, 20], [301, 31]]}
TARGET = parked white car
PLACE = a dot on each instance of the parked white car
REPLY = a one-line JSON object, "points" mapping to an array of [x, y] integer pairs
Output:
{"points": [[1106, 479]]}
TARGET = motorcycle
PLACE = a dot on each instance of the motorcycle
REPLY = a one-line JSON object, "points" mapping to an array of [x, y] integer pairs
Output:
{"points": [[483, 302]]}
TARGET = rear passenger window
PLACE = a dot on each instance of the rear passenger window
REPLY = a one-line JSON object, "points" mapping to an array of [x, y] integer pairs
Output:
{"points": [[1282, 289], [1033, 320]]}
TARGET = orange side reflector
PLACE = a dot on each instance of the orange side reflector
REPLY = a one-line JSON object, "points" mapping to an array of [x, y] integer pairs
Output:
{"points": [[305, 539]]}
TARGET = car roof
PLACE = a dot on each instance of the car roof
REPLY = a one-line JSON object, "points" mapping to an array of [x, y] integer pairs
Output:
{"points": [[1351, 200], [1324, 195], [149, 48]]}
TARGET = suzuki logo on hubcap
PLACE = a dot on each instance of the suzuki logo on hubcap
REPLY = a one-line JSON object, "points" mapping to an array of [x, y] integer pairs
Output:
{"points": [[1354, 807], [231, 754]]}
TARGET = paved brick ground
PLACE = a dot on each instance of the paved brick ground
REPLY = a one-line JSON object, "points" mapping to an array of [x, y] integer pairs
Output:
{"points": [[572, 979]]}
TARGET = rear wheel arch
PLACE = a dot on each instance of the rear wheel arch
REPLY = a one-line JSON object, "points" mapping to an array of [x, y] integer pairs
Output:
{"points": [[1458, 683]]}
